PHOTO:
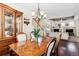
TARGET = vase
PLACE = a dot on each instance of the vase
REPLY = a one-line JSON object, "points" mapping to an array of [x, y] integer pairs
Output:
{"points": [[36, 39]]}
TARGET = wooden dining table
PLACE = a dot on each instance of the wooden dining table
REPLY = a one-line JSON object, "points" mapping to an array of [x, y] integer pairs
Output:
{"points": [[31, 48]]}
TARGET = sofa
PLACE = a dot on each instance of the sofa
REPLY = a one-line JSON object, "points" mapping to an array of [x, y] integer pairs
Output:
{"points": [[64, 35]]}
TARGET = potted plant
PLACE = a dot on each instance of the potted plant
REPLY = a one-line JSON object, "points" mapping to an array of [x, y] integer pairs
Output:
{"points": [[36, 33]]}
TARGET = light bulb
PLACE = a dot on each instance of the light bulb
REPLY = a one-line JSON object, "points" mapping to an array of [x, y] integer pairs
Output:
{"points": [[63, 24], [71, 23], [45, 15], [41, 12], [33, 13]]}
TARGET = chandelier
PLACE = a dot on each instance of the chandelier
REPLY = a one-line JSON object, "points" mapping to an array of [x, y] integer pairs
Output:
{"points": [[39, 14]]}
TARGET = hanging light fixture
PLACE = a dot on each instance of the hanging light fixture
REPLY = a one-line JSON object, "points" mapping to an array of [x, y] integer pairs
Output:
{"points": [[39, 14]]}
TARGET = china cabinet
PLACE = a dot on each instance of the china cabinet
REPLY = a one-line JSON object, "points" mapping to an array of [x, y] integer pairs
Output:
{"points": [[8, 26]]}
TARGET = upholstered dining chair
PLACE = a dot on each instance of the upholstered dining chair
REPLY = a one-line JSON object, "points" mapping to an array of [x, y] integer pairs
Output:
{"points": [[21, 37], [55, 50], [50, 47], [54, 46]]}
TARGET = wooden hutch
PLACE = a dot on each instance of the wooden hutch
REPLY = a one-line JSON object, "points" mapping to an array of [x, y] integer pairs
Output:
{"points": [[8, 26]]}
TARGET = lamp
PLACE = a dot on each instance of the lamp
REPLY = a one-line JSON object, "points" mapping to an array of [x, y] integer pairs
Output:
{"points": [[26, 21], [62, 24], [39, 14]]}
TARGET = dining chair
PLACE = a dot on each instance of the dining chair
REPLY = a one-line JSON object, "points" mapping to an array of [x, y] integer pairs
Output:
{"points": [[21, 37], [55, 50], [50, 47]]}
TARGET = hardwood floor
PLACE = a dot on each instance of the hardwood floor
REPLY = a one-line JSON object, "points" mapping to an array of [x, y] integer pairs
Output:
{"points": [[68, 48]]}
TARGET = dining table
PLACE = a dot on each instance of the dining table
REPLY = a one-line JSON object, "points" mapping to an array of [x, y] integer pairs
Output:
{"points": [[31, 48]]}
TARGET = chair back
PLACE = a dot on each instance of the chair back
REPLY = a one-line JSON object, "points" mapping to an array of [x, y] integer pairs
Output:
{"points": [[50, 47], [21, 37], [58, 37]]}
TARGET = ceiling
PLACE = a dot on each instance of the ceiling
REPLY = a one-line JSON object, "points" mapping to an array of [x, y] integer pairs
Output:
{"points": [[52, 9]]}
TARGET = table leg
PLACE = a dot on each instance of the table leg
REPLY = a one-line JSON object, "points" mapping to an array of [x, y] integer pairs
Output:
{"points": [[11, 53]]}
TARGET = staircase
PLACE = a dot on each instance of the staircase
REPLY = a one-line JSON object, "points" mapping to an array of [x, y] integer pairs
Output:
{"points": [[38, 23]]}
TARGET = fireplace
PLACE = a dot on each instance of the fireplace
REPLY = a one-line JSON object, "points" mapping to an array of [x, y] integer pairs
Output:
{"points": [[70, 32], [56, 30]]}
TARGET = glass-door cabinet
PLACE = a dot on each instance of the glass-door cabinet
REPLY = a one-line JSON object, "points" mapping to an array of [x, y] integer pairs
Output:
{"points": [[8, 24], [19, 22], [10, 21]]}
